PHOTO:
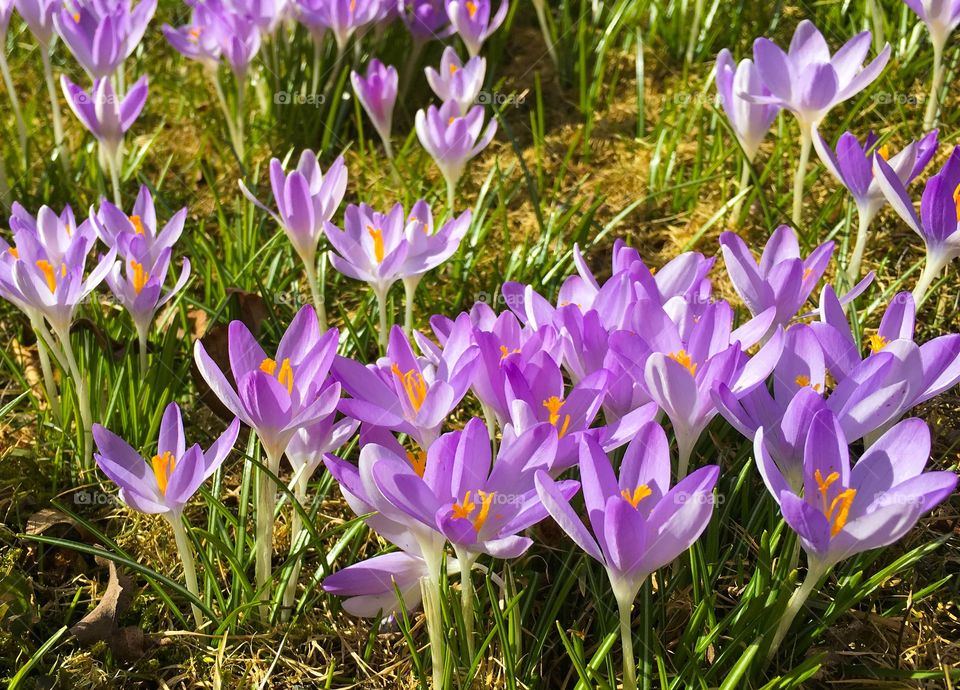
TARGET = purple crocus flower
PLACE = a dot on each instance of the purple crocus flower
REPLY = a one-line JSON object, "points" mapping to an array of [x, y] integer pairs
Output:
{"points": [[103, 113], [377, 93], [426, 20], [452, 140], [306, 199], [38, 16], [202, 39], [639, 523], [139, 288], [456, 80], [101, 42], [168, 481], [782, 280], [749, 121], [472, 21], [939, 222], [137, 234], [405, 393], [809, 81], [341, 17], [852, 165], [844, 511]]}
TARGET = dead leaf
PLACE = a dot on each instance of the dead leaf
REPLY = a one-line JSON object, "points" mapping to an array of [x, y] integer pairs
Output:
{"points": [[102, 623]]}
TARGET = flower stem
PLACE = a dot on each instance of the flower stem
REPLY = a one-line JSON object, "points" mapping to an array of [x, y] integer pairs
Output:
{"points": [[296, 529], [240, 126], [114, 163], [806, 141], [316, 293], [382, 310], [430, 589], [83, 397], [624, 606], [266, 508], [853, 268], [744, 181], [931, 270], [815, 571], [14, 105], [686, 442], [410, 290], [54, 106], [46, 347], [317, 62], [467, 596], [186, 557], [142, 335], [930, 115], [694, 34], [225, 107], [451, 196], [876, 16], [545, 30]]}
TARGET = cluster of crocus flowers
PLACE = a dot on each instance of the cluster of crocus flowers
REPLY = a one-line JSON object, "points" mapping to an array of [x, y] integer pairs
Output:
{"points": [[167, 481], [306, 200]]}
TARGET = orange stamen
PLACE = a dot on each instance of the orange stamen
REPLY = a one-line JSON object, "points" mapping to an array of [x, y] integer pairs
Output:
{"points": [[682, 358], [163, 466], [377, 235], [413, 384], [640, 493]]}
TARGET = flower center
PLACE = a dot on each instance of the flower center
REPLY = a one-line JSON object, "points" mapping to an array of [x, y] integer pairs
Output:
{"points": [[140, 277], [137, 224], [838, 510], [353, 5], [956, 201], [505, 352], [683, 359], [453, 69], [413, 384], [640, 493], [472, 8], [76, 17], [418, 460], [377, 235], [15, 252], [553, 405], [163, 466], [884, 152], [284, 376], [465, 508], [877, 342], [803, 381], [50, 274]]}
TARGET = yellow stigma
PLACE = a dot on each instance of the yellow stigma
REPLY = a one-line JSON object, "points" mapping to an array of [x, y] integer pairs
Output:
{"points": [[505, 352], [377, 235], [553, 405], [137, 224], [682, 358], [450, 121], [76, 17], [353, 5], [803, 381], [839, 505], [195, 34], [884, 152], [806, 274], [418, 461], [50, 274], [140, 277], [956, 201], [284, 376], [163, 466], [877, 342], [640, 493], [15, 252], [472, 8], [413, 384], [453, 69], [464, 509]]}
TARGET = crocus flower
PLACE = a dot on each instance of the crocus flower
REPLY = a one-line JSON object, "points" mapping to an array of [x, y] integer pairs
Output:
{"points": [[426, 20], [749, 121], [639, 523], [456, 80], [782, 279], [306, 199], [405, 393], [203, 38], [276, 397], [342, 17], [452, 140], [103, 113], [168, 481], [139, 288], [852, 165], [941, 17], [137, 234], [472, 21], [101, 42], [809, 81], [38, 16], [939, 222], [844, 511], [377, 93]]}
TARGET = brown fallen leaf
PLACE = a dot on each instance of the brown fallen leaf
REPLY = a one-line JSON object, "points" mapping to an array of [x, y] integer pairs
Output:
{"points": [[102, 623]]}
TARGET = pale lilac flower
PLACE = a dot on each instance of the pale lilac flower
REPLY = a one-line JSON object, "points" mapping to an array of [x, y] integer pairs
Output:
{"points": [[456, 80], [472, 21], [749, 121], [103, 113], [377, 93]]}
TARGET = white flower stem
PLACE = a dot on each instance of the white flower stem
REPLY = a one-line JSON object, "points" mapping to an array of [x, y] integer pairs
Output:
{"points": [[451, 196], [316, 293], [930, 115], [114, 163], [266, 507], [856, 259], [624, 606], [876, 17], [694, 29], [239, 144], [83, 396], [744, 181], [317, 61], [409, 293], [815, 571], [685, 445], [430, 590], [54, 106], [382, 311], [14, 104], [931, 269], [467, 559], [545, 30], [44, 343], [296, 529], [225, 107], [186, 557], [806, 142], [142, 336]]}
